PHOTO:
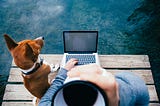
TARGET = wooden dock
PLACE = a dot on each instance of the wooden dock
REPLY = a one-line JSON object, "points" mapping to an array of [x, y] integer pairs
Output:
{"points": [[17, 95]]}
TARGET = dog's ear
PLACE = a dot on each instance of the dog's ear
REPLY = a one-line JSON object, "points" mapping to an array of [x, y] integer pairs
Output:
{"points": [[29, 50], [29, 53], [11, 44]]}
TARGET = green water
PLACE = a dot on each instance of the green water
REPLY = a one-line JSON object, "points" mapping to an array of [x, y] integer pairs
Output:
{"points": [[125, 27]]}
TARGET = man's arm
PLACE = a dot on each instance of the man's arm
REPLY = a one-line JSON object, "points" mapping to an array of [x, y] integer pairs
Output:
{"points": [[46, 100]]}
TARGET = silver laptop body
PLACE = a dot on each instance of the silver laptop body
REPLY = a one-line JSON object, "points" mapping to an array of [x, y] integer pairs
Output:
{"points": [[81, 45]]}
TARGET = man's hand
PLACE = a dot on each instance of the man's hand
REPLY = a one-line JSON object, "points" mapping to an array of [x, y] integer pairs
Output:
{"points": [[70, 64]]}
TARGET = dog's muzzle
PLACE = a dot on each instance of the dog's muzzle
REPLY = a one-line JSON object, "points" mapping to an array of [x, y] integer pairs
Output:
{"points": [[41, 38]]}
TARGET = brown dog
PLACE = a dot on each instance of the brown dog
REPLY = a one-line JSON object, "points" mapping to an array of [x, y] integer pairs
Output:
{"points": [[34, 72]]}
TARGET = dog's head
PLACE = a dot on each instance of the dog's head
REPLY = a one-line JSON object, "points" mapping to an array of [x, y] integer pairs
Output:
{"points": [[25, 53]]}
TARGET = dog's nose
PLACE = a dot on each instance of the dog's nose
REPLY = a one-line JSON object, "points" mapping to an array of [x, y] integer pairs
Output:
{"points": [[42, 38]]}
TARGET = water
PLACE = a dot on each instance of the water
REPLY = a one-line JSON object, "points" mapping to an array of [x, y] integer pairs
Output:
{"points": [[125, 27]]}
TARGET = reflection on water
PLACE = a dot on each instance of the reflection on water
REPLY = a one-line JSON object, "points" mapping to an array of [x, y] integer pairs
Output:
{"points": [[125, 27]]}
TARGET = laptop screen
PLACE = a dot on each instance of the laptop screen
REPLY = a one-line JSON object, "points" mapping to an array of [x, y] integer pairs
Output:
{"points": [[80, 41]]}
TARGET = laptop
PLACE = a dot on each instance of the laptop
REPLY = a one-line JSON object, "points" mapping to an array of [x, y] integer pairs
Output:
{"points": [[81, 45]]}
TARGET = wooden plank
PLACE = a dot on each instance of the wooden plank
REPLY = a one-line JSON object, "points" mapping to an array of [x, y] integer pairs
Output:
{"points": [[107, 61], [15, 75], [124, 61], [154, 104], [146, 75], [112, 61], [16, 92], [17, 104], [152, 93]]}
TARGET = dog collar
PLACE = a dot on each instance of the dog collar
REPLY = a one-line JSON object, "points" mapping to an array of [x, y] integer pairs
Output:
{"points": [[34, 68]]}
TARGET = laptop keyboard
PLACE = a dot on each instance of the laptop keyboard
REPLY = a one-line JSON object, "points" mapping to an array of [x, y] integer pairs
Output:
{"points": [[82, 59]]}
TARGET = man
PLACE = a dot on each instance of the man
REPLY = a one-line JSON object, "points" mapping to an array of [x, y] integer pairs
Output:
{"points": [[123, 89]]}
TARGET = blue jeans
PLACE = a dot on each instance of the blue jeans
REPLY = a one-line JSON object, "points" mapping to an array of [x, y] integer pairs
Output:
{"points": [[132, 90]]}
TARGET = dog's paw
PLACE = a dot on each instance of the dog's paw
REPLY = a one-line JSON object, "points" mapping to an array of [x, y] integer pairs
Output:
{"points": [[54, 68], [34, 101]]}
